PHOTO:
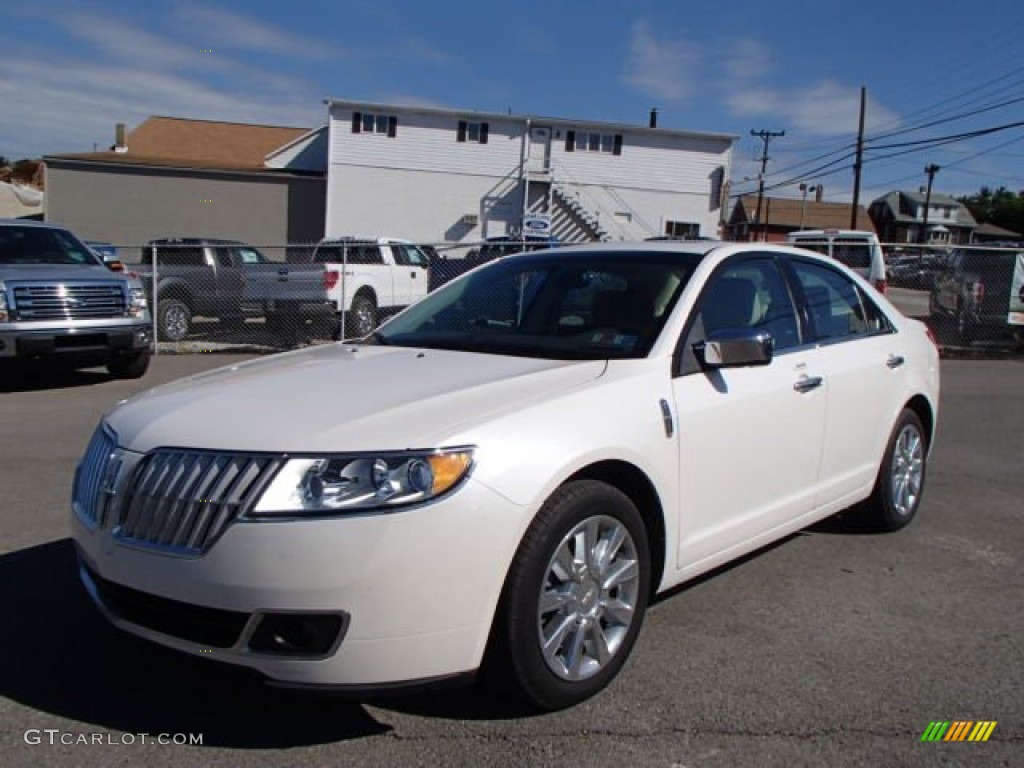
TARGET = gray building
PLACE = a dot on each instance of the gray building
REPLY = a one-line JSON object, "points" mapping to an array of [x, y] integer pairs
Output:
{"points": [[174, 177]]}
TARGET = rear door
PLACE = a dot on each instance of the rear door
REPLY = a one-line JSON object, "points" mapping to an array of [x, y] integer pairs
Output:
{"points": [[858, 354]]}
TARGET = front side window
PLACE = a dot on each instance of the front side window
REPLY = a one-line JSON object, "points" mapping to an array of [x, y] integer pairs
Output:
{"points": [[748, 294], [838, 308], [587, 307]]}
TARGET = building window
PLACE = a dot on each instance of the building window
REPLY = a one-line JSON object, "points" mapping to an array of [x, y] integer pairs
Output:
{"points": [[681, 229], [475, 133], [368, 122], [583, 141]]}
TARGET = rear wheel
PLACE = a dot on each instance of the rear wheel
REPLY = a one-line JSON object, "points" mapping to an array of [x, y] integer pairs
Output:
{"points": [[900, 482], [129, 366], [361, 319], [574, 598]]}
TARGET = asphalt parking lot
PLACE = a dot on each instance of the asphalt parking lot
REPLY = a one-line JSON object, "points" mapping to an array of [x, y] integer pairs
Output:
{"points": [[834, 647]]}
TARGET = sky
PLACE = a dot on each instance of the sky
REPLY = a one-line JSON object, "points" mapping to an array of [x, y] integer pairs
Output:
{"points": [[943, 79]]}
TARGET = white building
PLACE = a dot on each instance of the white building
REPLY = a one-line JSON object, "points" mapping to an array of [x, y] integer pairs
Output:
{"points": [[442, 175]]}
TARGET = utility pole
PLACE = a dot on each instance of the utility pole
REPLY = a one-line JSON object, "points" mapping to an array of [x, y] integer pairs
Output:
{"points": [[857, 162], [764, 136], [931, 169]]}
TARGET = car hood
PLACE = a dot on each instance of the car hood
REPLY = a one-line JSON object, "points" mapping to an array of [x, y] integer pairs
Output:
{"points": [[341, 398], [57, 272]]}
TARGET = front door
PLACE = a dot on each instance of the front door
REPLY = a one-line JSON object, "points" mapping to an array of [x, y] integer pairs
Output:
{"points": [[540, 149], [750, 438]]}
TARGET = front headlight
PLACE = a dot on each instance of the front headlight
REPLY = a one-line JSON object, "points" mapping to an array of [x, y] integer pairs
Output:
{"points": [[356, 483], [137, 302]]}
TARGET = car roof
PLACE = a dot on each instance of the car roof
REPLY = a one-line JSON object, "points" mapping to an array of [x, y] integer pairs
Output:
{"points": [[831, 233], [193, 241]]}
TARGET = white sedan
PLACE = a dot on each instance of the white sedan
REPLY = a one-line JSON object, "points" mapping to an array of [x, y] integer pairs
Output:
{"points": [[499, 478]]}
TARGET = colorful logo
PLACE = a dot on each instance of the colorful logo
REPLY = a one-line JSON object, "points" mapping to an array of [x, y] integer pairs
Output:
{"points": [[958, 730]]}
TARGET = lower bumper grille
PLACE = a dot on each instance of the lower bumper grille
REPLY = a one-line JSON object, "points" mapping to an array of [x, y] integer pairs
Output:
{"points": [[198, 624]]}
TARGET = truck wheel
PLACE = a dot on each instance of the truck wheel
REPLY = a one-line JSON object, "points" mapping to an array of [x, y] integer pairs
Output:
{"points": [[362, 317], [173, 319], [130, 366]]}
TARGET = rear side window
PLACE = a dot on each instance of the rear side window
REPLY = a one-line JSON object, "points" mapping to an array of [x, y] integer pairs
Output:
{"points": [[996, 264], [853, 252], [838, 308], [178, 255]]}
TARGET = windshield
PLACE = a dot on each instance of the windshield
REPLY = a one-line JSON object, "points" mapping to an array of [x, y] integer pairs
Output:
{"points": [[580, 306], [42, 245]]}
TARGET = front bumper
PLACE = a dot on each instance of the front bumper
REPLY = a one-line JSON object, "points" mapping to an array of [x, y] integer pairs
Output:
{"points": [[97, 338], [415, 591]]}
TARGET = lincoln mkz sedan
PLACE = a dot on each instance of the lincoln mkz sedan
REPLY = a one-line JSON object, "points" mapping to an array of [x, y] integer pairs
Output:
{"points": [[497, 481]]}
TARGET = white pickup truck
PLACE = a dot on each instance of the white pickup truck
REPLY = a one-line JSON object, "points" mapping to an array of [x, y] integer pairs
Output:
{"points": [[357, 280]]}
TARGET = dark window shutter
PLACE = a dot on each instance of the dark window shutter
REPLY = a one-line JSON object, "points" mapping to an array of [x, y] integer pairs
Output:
{"points": [[617, 144], [570, 141], [462, 131], [483, 133], [357, 122], [392, 126]]}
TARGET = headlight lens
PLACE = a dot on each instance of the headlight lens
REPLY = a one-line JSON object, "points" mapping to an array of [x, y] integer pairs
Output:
{"points": [[137, 302], [339, 484]]}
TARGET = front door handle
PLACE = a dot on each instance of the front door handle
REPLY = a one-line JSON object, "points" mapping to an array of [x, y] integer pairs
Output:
{"points": [[895, 361], [807, 383]]}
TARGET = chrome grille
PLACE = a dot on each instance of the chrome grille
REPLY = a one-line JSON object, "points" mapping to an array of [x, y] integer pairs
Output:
{"points": [[72, 301], [182, 501], [88, 497]]}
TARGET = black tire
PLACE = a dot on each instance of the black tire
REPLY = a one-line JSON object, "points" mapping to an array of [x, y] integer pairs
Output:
{"points": [[174, 319], [901, 477], [593, 617], [129, 366], [361, 318]]}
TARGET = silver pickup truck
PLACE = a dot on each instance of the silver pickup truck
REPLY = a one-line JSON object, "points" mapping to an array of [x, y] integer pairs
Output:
{"points": [[58, 302]]}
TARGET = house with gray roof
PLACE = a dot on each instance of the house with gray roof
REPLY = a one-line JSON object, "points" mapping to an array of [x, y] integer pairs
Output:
{"points": [[900, 217]]}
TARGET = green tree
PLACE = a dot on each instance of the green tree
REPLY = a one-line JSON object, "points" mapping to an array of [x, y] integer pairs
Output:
{"points": [[1000, 207]]}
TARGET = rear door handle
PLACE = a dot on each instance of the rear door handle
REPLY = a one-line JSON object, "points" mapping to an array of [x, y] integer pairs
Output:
{"points": [[807, 383], [895, 361]]}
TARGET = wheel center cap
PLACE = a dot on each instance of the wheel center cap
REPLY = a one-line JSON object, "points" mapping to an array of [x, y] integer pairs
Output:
{"points": [[591, 593]]}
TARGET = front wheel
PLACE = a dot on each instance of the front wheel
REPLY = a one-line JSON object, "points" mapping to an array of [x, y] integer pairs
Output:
{"points": [[574, 598], [900, 482], [129, 366]]}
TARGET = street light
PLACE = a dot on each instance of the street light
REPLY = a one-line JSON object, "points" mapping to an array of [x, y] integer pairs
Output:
{"points": [[804, 189]]}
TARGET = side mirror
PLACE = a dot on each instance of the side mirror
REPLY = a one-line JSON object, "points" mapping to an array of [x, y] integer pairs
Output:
{"points": [[735, 348]]}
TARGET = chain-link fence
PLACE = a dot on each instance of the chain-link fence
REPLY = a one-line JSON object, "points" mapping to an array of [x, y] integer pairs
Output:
{"points": [[219, 295]]}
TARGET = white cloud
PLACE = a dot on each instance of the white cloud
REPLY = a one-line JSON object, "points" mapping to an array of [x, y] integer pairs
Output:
{"points": [[747, 59], [238, 31], [826, 108], [662, 69]]}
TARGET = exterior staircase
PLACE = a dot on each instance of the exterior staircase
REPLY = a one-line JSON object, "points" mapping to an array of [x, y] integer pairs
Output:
{"points": [[567, 203]]}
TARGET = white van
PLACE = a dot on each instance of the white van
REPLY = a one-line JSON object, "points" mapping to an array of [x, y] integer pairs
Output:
{"points": [[859, 250]]}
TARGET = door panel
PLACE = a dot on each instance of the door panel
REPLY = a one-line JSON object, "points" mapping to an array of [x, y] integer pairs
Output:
{"points": [[750, 444]]}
